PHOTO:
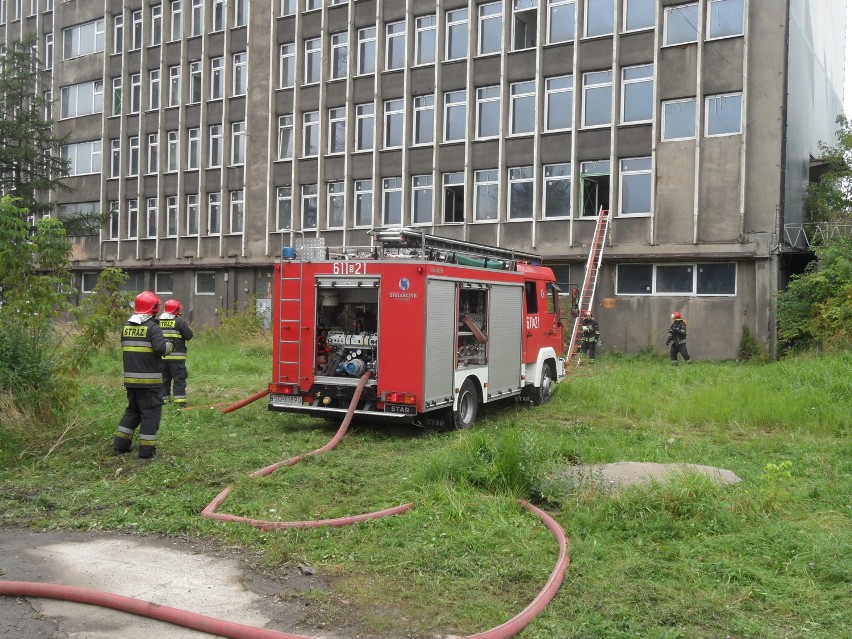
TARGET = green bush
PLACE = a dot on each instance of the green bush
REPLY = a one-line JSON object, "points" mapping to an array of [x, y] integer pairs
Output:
{"points": [[751, 349]]}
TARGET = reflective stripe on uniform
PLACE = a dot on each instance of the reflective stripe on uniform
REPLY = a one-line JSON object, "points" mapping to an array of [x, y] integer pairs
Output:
{"points": [[143, 378], [124, 435], [173, 357]]}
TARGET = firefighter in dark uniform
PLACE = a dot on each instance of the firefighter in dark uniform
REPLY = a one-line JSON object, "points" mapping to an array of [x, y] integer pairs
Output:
{"points": [[591, 335], [178, 332], [143, 345], [677, 339]]}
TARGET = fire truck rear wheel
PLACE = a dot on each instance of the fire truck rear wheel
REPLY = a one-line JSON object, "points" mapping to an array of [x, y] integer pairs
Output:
{"points": [[468, 405], [544, 392]]}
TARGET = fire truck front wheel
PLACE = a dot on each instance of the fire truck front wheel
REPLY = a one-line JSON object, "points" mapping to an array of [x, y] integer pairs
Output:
{"points": [[544, 392], [468, 405]]}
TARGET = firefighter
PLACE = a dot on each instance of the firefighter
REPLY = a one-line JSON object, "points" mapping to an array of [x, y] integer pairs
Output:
{"points": [[591, 335], [143, 345], [178, 332], [677, 339]]}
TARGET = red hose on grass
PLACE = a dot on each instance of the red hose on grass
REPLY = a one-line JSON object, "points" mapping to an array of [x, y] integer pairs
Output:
{"points": [[246, 401]]}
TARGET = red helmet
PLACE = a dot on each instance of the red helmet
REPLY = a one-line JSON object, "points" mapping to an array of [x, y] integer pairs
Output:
{"points": [[587, 313], [146, 303], [676, 315], [174, 307]]}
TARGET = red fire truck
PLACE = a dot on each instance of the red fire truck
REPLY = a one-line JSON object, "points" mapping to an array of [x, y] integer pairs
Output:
{"points": [[443, 326]]}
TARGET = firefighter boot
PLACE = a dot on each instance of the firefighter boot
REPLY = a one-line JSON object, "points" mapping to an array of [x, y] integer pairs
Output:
{"points": [[121, 443], [147, 452]]}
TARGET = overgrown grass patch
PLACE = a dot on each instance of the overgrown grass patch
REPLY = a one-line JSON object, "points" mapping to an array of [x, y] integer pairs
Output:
{"points": [[768, 557]]}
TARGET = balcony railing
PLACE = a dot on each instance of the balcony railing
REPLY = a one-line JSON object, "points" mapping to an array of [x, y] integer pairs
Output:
{"points": [[804, 236]]}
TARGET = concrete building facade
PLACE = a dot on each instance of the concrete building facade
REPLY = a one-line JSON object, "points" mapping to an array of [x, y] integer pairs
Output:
{"points": [[218, 131]]}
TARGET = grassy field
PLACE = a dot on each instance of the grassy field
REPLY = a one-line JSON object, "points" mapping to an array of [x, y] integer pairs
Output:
{"points": [[770, 557]]}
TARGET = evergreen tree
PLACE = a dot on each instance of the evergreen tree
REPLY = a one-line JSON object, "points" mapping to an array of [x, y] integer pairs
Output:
{"points": [[31, 164]]}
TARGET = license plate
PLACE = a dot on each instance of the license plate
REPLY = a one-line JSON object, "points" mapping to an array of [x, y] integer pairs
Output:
{"points": [[287, 400], [400, 409]]}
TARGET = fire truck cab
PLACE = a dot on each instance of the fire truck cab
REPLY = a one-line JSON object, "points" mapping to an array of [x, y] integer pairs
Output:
{"points": [[442, 326]]}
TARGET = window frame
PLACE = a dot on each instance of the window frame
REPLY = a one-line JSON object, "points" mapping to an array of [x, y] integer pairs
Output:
{"points": [[624, 172], [664, 119]]}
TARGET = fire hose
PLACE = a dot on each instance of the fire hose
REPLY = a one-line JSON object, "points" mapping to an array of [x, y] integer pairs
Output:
{"points": [[233, 630]]}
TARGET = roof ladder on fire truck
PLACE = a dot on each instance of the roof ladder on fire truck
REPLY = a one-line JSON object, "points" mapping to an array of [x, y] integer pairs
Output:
{"points": [[445, 249], [587, 292], [289, 330]]}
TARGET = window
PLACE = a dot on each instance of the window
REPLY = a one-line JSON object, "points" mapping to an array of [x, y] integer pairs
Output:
{"points": [[457, 34], [177, 20], [132, 225], [560, 20], [218, 15], [557, 191], [216, 145], [488, 112], [599, 17], [723, 114], [680, 24], [453, 198], [116, 96], [217, 78], [310, 133], [392, 201], [174, 85], [163, 283], [679, 119], [313, 5], [366, 50], [393, 123], [424, 39], [83, 157], [725, 18], [285, 137], [284, 208], [637, 94], [136, 30], [48, 105], [490, 27], [635, 189], [115, 158], [153, 152], [156, 24], [83, 39], [154, 89], [82, 99], [339, 55], [559, 103], [193, 214], [597, 98], [336, 205], [521, 192], [197, 26], [288, 65], [238, 143], [421, 199], [151, 217], [193, 143], [677, 279], [313, 60], [424, 119], [365, 124], [639, 14], [309, 206], [524, 24], [337, 130], [237, 211], [288, 7], [594, 187], [133, 155], [195, 82], [485, 204], [48, 50], [455, 115], [118, 33], [114, 223], [205, 283], [522, 107], [395, 46], [214, 213], [135, 93], [241, 13], [88, 282], [240, 73], [172, 151], [363, 202]]}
